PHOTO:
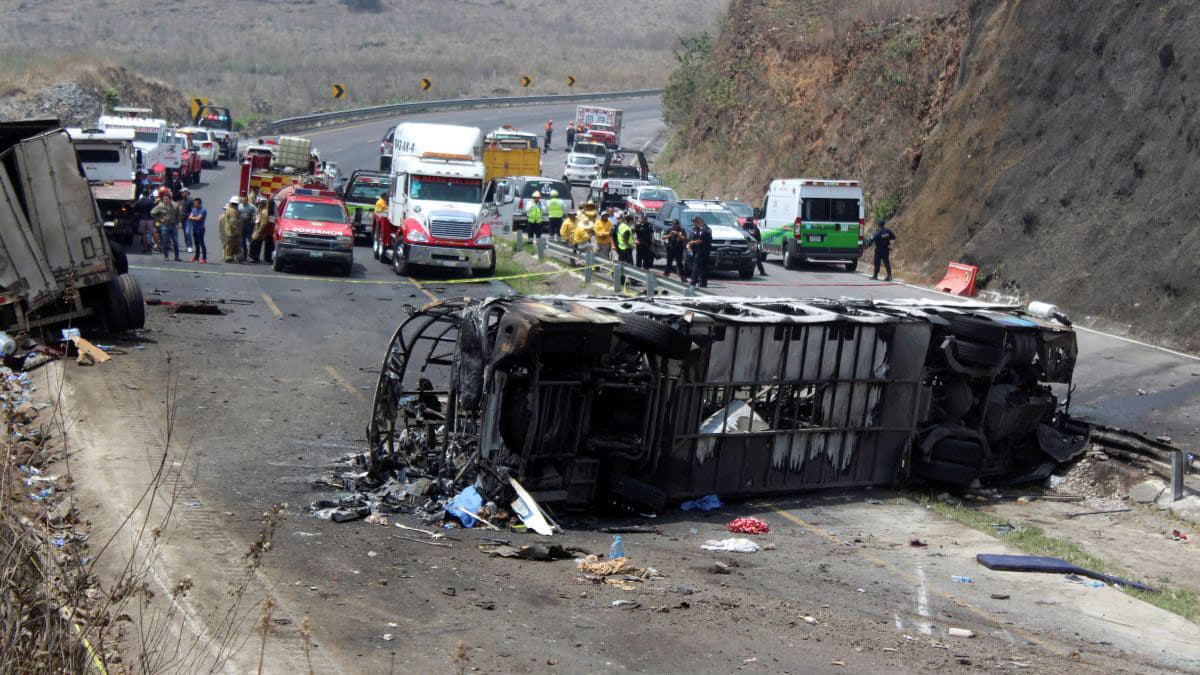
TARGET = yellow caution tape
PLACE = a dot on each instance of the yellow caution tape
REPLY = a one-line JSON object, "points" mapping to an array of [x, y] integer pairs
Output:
{"points": [[339, 280]]}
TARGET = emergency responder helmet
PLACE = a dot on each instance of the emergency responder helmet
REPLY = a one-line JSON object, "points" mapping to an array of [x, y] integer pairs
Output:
{"points": [[554, 193], [235, 200], [537, 195]]}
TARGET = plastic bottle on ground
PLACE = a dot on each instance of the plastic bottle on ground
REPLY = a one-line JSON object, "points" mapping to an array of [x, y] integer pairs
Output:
{"points": [[617, 550]]}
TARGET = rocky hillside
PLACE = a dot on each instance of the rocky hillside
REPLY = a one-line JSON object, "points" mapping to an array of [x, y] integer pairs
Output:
{"points": [[1052, 142], [75, 92]]}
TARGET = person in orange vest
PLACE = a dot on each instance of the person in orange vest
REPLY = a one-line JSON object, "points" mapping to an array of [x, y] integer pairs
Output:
{"points": [[549, 132]]}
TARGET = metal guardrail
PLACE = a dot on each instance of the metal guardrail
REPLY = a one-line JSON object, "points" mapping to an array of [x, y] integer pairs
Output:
{"points": [[302, 121], [619, 273]]}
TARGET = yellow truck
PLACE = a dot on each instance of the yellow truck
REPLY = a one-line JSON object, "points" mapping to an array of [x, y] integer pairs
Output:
{"points": [[509, 152]]}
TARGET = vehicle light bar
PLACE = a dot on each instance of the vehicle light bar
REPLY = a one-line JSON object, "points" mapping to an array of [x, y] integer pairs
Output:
{"points": [[314, 192], [831, 183]]}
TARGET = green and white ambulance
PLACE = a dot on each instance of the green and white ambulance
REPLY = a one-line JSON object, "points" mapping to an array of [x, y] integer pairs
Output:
{"points": [[813, 220]]}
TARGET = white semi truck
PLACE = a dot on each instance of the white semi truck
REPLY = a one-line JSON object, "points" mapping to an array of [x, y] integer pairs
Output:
{"points": [[435, 213]]}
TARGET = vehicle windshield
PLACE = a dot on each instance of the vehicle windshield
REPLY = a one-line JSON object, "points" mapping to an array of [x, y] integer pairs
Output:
{"points": [[658, 195], [319, 211], [146, 136], [545, 187], [583, 160], [602, 127], [740, 209], [446, 189], [623, 172], [367, 192], [714, 217]]}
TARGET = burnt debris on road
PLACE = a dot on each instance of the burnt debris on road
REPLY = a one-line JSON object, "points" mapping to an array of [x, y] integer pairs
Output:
{"points": [[588, 400]]}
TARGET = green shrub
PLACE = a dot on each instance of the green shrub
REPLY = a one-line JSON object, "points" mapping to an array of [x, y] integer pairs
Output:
{"points": [[111, 98]]}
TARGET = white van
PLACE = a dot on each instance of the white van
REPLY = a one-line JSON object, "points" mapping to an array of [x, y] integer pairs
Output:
{"points": [[813, 220]]}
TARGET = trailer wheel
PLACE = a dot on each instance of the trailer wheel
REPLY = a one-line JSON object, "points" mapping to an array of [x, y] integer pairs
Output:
{"points": [[115, 314], [135, 304], [120, 259]]}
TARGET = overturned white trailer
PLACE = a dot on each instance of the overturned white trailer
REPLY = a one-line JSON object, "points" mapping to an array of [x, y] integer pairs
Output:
{"points": [[589, 399], [56, 264]]}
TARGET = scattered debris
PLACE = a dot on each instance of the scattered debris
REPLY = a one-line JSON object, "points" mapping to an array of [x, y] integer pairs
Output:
{"points": [[748, 526], [1090, 583], [705, 503], [962, 579], [917, 543], [533, 552], [377, 519], [720, 568], [1033, 563], [631, 529], [1176, 535], [961, 633], [810, 620], [626, 604], [734, 544], [528, 510], [1000, 596], [873, 501], [93, 353]]}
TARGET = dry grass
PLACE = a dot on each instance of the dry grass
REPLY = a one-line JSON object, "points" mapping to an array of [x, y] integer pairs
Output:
{"points": [[288, 52]]}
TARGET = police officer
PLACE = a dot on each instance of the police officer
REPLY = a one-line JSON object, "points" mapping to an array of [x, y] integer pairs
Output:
{"points": [[752, 230], [554, 212], [675, 241], [882, 241], [701, 247], [625, 240], [644, 235], [534, 216]]}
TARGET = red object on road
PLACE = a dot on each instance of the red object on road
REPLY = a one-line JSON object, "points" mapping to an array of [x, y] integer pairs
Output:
{"points": [[748, 526], [959, 279]]}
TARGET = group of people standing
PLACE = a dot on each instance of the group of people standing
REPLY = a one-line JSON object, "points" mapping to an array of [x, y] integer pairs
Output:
{"points": [[245, 230], [632, 240]]}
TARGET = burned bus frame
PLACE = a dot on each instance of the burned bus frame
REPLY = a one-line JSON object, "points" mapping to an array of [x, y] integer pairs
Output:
{"points": [[647, 401]]}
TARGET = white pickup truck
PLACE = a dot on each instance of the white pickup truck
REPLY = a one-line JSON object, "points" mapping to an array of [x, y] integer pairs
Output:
{"points": [[622, 171]]}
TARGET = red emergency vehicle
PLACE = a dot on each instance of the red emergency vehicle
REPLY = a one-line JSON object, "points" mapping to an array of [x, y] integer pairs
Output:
{"points": [[311, 226]]}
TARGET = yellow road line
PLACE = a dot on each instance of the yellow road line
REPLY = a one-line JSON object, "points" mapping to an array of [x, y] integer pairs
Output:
{"points": [[339, 280], [344, 383], [869, 557], [274, 307]]}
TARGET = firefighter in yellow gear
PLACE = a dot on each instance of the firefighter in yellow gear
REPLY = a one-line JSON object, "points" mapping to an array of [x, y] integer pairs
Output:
{"points": [[566, 231], [230, 230], [381, 203]]}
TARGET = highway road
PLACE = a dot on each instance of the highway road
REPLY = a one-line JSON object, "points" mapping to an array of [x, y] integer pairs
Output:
{"points": [[269, 396]]}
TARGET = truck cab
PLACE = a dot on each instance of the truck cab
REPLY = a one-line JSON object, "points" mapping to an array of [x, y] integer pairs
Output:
{"points": [[109, 163], [150, 136], [312, 226], [435, 213], [360, 194]]}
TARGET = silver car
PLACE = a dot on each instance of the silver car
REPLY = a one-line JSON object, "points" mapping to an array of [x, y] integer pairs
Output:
{"points": [[510, 197], [581, 168]]}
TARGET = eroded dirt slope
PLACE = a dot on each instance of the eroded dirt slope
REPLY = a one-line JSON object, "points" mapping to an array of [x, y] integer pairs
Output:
{"points": [[1053, 143]]}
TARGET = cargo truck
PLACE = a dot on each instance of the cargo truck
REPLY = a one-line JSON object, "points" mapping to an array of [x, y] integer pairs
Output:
{"points": [[602, 124], [435, 213], [59, 266], [508, 152]]}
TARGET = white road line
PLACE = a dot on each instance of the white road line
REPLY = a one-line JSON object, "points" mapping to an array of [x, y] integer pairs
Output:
{"points": [[923, 603]]}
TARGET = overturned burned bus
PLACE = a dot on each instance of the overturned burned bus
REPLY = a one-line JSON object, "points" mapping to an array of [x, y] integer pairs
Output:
{"points": [[593, 399]]}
